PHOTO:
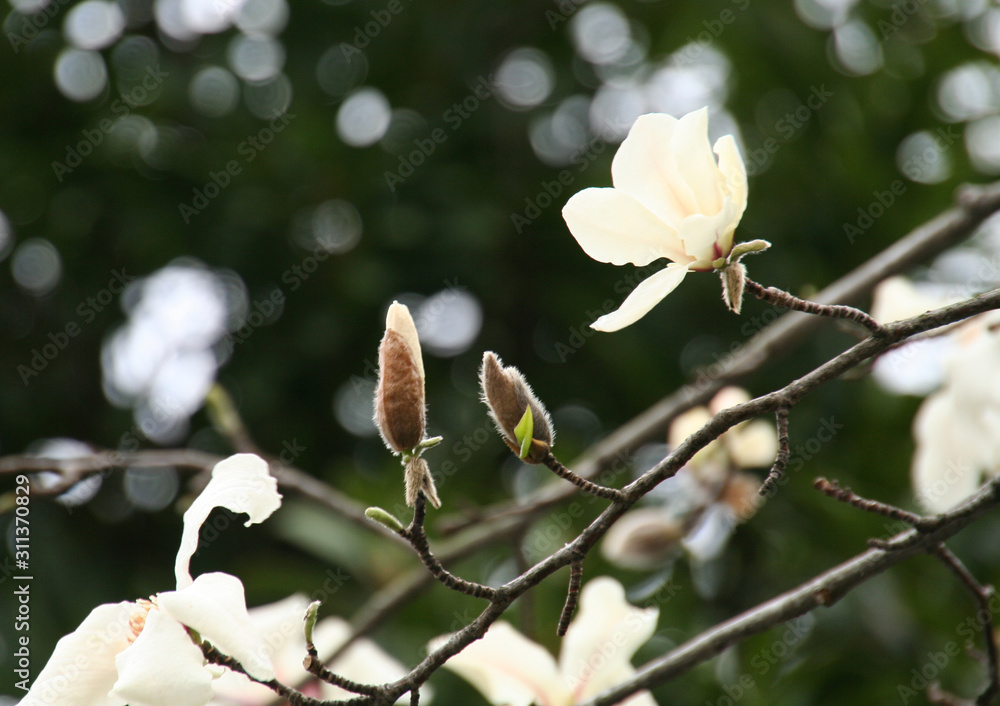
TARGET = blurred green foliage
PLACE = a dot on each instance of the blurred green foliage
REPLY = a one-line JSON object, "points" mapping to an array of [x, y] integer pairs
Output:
{"points": [[450, 225]]}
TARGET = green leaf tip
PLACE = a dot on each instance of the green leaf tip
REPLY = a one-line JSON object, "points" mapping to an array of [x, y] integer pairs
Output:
{"points": [[524, 431], [384, 518], [312, 610]]}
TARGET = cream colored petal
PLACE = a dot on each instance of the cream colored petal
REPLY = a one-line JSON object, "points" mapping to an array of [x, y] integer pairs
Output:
{"points": [[643, 539], [280, 624], [695, 163], [643, 298], [686, 424], [508, 668], [734, 173], [163, 667], [398, 319], [241, 483], [945, 468], [215, 606], [364, 661], [82, 669], [754, 445], [613, 227], [599, 644], [727, 397], [898, 298], [645, 168], [704, 235]]}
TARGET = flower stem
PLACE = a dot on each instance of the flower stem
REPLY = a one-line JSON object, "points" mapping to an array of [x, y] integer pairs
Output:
{"points": [[600, 491], [416, 536], [839, 311]]}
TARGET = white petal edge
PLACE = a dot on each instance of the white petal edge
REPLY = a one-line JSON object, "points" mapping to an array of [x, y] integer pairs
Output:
{"points": [[508, 668], [601, 640], [643, 298], [163, 667], [241, 483], [398, 319], [695, 162], [734, 172], [215, 606], [82, 669], [613, 227], [644, 168]]}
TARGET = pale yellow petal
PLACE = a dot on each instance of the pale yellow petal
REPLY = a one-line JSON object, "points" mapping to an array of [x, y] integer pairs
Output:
{"points": [[163, 667], [508, 668], [754, 445], [704, 235], [398, 319], [945, 467], [613, 227], [241, 483], [82, 669], [607, 630], [695, 163], [643, 298], [734, 186]]}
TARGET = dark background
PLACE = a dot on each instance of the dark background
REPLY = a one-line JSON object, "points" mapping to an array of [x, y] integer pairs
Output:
{"points": [[448, 228]]}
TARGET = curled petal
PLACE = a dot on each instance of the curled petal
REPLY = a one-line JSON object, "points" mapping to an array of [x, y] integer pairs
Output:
{"points": [[163, 667], [611, 226], [81, 669], [704, 234], [605, 618], [644, 297], [241, 483], [508, 668], [215, 606]]}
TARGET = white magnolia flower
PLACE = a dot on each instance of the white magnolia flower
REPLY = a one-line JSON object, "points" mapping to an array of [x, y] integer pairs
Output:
{"points": [[957, 429], [281, 625], [141, 653], [670, 200], [508, 668]]}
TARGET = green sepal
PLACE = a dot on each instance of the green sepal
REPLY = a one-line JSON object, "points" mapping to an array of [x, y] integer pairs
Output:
{"points": [[384, 518]]}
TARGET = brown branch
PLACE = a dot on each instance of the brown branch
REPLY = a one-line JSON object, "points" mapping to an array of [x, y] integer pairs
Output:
{"points": [[974, 204], [600, 491], [780, 297], [777, 471], [846, 495], [982, 595], [292, 696], [823, 590], [314, 666], [417, 536], [572, 597]]}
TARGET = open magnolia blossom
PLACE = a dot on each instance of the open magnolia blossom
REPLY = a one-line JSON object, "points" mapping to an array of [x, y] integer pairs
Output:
{"points": [[143, 653], [670, 200], [281, 625], [957, 429], [508, 668], [705, 501]]}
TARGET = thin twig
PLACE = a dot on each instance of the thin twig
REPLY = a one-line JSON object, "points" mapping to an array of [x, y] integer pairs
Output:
{"points": [[846, 495], [572, 597], [777, 471], [983, 595], [417, 536], [600, 491], [780, 297], [295, 698], [314, 666]]}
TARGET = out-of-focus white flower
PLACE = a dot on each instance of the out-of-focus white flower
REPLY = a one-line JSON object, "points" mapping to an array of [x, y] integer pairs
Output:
{"points": [[508, 668], [957, 429], [142, 653], [280, 624], [670, 200]]}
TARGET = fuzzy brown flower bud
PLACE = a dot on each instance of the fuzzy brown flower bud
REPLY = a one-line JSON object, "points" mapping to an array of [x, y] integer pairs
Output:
{"points": [[399, 398], [508, 394]]}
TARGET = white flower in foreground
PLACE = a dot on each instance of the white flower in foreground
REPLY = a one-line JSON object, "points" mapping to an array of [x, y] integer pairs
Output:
{"points": [[957, 429], [142, 653], [508, 668], [281, 625], [670, 200]]}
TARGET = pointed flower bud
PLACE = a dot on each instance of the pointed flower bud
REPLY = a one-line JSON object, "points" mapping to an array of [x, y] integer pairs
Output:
{"points": [[399, 397], [734, 278], [508, 395]]}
